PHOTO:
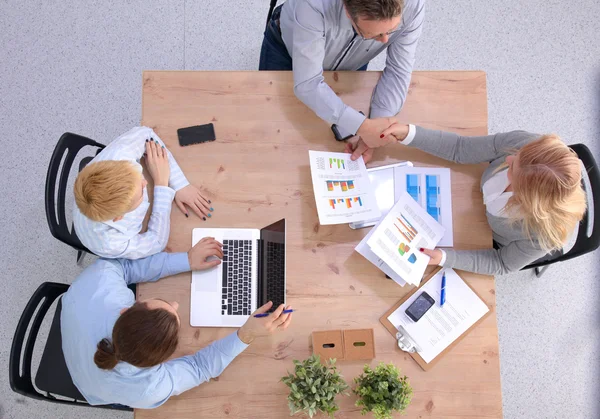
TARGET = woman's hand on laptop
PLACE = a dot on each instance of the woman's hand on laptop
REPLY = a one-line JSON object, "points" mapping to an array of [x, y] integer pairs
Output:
{"points": [[206, 248], [265, 326]]}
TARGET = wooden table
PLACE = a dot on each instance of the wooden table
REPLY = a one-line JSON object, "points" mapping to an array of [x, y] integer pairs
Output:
{"points": [[257, 172]]}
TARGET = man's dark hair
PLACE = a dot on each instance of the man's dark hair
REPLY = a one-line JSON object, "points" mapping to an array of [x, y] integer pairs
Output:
{"points": [[374, 9]]}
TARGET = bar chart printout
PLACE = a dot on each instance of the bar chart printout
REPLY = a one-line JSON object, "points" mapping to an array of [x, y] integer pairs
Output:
{"points": [[342, 188], [430, 187], [340, 185], [345, 202]]}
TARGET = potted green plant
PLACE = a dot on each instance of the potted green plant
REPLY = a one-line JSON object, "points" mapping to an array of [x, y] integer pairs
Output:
{"points": [[313, 387], [382, 391]]}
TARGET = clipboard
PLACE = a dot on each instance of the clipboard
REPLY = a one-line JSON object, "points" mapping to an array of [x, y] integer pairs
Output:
{"points": [[415, 355]]}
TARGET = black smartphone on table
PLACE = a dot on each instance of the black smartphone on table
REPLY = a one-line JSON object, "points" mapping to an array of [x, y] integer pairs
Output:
{"points": [[197, 134], [419, 307]]}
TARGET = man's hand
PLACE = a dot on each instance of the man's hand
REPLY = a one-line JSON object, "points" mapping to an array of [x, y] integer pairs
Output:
{"points": [[396, 132], [157, 162], [264, 326], [206, 248], [371, 131], [359, 149], [435, 255], [190, 196]]}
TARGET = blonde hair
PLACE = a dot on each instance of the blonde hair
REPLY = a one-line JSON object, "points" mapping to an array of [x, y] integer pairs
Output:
{"points": [[105, 190], [548, 192]]}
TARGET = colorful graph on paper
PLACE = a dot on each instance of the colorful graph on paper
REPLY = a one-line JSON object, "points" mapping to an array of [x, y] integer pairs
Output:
{"points": [[340, 185], [335, 163], [412, 186], [433, 198], [405, 228], [342, 164], [403, 248], [338, 203]]}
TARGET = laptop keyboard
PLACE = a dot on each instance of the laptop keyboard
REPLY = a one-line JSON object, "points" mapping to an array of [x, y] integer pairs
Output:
{"points": [[276, 273], [237, 277]]}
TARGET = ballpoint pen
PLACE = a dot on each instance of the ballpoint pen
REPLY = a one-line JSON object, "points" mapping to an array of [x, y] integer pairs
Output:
{"points": [[266, 314], [443, 297]]}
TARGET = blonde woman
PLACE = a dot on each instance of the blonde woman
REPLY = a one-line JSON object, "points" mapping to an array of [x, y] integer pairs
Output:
{"points": [[111, 198], [531, 189]]}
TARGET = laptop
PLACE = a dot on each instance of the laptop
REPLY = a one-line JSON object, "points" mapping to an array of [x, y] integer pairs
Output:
{"points": [[251, 274]]}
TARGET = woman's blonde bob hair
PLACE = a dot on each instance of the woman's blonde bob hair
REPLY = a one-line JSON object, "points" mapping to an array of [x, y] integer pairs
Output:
{"points": [[104, 190], [547, 192]]}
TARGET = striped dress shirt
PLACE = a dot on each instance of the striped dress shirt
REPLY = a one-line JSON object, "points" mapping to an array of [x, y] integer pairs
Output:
{"points": [[122, 239]]}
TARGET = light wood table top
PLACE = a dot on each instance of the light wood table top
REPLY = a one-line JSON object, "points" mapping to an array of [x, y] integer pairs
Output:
{"points": [[258, 172]]}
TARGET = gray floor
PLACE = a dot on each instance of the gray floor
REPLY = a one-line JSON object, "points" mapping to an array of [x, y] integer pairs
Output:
{"points": [[76, 66]]}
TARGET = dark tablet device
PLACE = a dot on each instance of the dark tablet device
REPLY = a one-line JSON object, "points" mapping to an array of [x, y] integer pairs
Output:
{"points": [[196, 135], [419, 307]]}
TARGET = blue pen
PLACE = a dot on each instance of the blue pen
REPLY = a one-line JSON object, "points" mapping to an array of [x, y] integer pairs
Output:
{"points": [[266, 314], [443, 297]]}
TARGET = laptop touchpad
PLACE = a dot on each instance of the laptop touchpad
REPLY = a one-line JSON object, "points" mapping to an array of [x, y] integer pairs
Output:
{"points": [[207, 281]]}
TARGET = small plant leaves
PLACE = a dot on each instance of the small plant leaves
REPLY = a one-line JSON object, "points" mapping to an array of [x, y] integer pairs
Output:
{"points": [[382, 391], [313, 387]]}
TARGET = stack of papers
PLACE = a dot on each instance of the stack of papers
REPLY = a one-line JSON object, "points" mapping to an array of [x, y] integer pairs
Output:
{"points": [[342, 188], [393, 244]]}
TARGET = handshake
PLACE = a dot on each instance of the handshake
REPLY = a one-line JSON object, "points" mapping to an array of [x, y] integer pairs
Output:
{"points": [[375, 133]]}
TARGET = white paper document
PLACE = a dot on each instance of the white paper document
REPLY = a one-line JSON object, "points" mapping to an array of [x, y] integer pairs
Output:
{"points": [[342, 188], [431, 188], [399, 235], [364, 249], [441, 326]]}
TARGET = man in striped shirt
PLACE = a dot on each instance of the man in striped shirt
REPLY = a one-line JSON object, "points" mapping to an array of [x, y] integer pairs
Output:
{"points": [[111, 199]]}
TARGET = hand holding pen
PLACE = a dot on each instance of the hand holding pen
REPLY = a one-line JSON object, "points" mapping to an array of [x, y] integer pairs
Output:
{"points": [[286, 311], [265, 325]]}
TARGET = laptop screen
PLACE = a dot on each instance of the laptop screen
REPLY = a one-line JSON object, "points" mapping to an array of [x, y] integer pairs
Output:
{"points": [[271, 266]]}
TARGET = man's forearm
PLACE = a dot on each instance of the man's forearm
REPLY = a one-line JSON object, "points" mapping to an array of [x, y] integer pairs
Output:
{"points": [[323, 101]]}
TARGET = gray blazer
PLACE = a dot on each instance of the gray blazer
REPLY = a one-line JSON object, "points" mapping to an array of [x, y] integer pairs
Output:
{"points": [[516, 249]]}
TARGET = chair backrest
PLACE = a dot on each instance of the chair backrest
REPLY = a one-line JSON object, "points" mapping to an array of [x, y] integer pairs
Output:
{"points": [[56, 186], [271, 8], [21, 353], [591, 220]]}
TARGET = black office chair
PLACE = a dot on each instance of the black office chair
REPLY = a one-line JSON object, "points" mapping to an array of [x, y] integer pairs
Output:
{"points": [[52, 376], [585, 242], [271, 8], [67, 147]]}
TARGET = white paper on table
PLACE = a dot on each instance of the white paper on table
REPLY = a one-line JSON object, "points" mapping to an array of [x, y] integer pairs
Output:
{"points": [[364, 249], [441, 326], [431, 187], [342, 188], [406, 228]]}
